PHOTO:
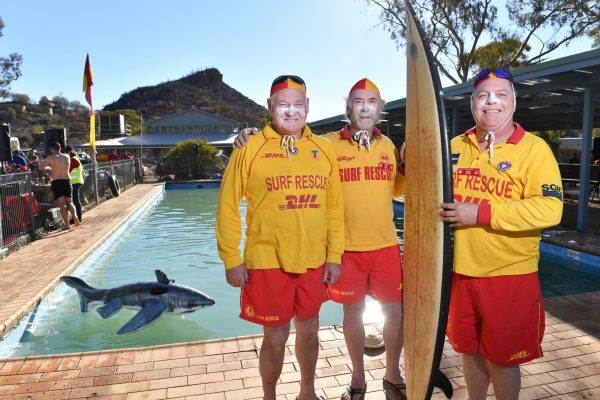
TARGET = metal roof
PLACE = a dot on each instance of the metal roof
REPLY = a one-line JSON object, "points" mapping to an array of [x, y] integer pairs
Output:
{"points": [[158, 140], [190, 111], [550, 96]]}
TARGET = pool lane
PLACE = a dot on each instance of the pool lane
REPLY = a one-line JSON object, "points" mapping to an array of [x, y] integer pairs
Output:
{"points": [[29, 274]]}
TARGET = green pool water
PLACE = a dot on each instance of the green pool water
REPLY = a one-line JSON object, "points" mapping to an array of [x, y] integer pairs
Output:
{"points": [[176, 236]]}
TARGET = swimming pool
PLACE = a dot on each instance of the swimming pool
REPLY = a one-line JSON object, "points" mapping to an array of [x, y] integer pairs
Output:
{"points": [[175, 233]]}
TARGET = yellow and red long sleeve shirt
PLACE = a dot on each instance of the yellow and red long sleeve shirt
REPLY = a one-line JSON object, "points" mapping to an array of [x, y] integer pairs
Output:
{"points": [[519, 192], [369, 179], [295, 213]]}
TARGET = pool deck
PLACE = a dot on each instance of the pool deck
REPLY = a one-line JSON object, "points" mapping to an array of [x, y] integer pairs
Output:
{"points": [[228, 368]]}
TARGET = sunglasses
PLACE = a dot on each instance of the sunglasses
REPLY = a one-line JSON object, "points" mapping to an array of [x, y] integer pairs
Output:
{"points": [[497, 72], [283, 78], [281, 82]]}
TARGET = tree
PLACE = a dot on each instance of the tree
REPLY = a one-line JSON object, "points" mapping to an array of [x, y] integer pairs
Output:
{"points": [[456, 30], [20, 98], [185, 162], [44, 101], [77, 106], [10, 68], [552, 138], [60, 101]]}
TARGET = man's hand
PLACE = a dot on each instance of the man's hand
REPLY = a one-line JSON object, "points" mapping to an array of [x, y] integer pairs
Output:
{"points": [[238, 276], [459, 214], [242, 138], [402, 153], [331, 272]]}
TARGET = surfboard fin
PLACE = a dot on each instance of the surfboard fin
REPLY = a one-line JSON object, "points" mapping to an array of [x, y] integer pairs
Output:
{"points": [[442, 382]]}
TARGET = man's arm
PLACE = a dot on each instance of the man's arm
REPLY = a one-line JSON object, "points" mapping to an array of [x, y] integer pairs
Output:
{"points": [[43, 164], [542, 202], [399, 180], [335, 225], [228, 223]]}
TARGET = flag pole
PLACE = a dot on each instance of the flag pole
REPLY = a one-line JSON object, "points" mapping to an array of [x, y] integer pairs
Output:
{"points": [[88, 81]]}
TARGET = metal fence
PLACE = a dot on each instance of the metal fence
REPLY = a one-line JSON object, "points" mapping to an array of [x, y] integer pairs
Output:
{"points": [[27, 209]]}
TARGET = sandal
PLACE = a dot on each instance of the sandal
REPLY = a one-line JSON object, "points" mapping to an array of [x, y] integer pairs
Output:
{"points": [[320, 397], [351, 392], [393, 391]]}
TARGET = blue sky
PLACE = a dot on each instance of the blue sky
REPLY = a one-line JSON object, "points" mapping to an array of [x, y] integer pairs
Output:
{"points": [[133, 43]]}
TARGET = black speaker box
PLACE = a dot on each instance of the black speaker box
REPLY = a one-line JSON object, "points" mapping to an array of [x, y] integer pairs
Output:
{"points": [[54, 135], [5, 153]]}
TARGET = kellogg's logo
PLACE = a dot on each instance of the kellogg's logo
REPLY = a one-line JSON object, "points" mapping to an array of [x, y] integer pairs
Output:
{"points": [[504, 166], [346, 158]]}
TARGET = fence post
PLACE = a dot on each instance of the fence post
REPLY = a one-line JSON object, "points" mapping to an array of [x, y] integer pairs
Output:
{"points": [[123, 174], [95, 180], [30, 195]]}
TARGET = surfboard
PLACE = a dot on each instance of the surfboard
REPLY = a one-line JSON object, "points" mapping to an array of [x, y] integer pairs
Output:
{"points": [[428, 242]]}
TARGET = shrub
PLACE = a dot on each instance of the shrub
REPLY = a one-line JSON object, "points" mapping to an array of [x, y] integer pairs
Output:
{"points": [[186, 163]]}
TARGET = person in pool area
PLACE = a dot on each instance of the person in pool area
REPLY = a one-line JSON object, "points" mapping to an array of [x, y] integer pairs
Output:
{"points": [[77, 180], [294, 236], [507, 187], [59, 163], [371, 172]]}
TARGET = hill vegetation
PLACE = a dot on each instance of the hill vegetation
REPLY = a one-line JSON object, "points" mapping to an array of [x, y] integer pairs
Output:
{"points": [[203, 90]]}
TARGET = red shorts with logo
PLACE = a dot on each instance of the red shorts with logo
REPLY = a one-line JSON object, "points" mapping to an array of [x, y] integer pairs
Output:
{"points": [[377, 273], [273, 297], [500, 317]]}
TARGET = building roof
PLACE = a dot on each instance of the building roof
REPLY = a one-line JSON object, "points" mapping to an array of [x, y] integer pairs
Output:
{"points": [[158, 140], [550, 96], [192, 112]]}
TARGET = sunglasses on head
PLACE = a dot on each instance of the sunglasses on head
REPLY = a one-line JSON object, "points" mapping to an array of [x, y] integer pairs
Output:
{"points": [[283, 78], [497, 72]]}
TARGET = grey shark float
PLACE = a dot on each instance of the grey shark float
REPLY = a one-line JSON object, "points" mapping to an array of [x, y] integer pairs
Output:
{"points": [[151, 298]]}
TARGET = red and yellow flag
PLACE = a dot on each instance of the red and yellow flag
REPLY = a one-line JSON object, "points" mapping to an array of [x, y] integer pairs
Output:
{"points": [[88, 81]]}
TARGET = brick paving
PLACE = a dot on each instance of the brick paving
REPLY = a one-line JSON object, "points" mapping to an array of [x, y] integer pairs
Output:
{"points": [[227, 369]]}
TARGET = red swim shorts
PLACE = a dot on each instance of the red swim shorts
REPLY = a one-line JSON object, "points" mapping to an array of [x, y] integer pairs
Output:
{"points": [[500, 317], [377, 273], [273, 297]]}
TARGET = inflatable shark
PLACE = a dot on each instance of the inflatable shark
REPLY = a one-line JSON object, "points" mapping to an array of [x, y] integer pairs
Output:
{"points": [[151, 298]]}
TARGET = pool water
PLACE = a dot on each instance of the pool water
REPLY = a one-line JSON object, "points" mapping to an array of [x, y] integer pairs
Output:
{"points": [[561, 279], [176, 235]]}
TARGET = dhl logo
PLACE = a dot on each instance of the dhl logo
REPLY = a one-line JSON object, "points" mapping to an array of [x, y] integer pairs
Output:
{"points": [[273, 155], [519, 355], [302, 201]]}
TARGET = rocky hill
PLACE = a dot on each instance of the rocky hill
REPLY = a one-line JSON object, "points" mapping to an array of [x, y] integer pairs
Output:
{"points": [[203, 90]]}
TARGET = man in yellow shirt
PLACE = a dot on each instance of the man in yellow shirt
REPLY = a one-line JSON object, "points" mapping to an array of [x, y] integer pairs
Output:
{"points": [[294, 236], [368, 169], [507, 187]]}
